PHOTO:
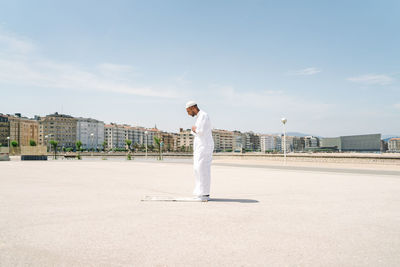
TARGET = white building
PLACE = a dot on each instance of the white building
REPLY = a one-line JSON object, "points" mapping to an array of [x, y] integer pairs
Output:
{"points": [[270, 142], [149, 136], [90, 132], [394, 145], [239, 141], [311, 142], [136, 135], [115, 135], [252, 141], [223, 140], [184, 140], [289, 143]]}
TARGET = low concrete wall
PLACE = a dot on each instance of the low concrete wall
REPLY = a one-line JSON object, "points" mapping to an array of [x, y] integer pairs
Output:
{"points": [[4, 154], [385, 158], [33, 150], [15, 151], [4, 150]]}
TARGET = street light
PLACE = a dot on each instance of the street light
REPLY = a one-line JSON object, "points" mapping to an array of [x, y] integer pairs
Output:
{"points": [[145, 134], [8, 142], [47, 143], [50, 135], [284, 120], [91, 136]]}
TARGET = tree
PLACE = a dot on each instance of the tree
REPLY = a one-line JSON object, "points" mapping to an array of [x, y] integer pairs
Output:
{"points": [[32, 142], [136, 146], [104, 145], [128, 144], [150, 148], [158, 145], [78, 149], [14, 143], [54, 145], [78, 145]]}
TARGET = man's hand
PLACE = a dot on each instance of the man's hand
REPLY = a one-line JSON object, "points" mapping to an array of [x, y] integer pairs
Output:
{"points": [[194, 128]]}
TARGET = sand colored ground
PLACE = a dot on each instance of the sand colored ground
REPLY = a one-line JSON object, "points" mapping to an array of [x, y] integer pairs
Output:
{"points": [[89, 213]]}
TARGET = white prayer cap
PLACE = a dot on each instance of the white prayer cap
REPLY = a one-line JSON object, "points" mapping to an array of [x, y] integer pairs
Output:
{"points": [[190, 104]]}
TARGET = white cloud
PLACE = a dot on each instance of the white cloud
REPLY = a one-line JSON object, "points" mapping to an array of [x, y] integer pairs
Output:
{"points": [[372, 79], [306, 71], [11, 43], [20, 65], [397, 106], [267, 100]]}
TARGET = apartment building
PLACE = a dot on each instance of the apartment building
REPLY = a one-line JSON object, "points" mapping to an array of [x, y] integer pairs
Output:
{"points": [[115, 135], [58, 127], [90, 132], [223, 140], [270, 143], [184, 140], [4, 130], [252, 141], [394, 145], [21, 129]]}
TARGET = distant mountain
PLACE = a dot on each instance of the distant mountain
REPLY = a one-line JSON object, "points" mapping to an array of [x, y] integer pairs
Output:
{"points": [[385, 137], [296, 134]]}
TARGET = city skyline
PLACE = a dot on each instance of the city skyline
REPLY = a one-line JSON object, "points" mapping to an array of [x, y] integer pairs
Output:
{"points": [[70, 132], [289, 133], [331, 69]]}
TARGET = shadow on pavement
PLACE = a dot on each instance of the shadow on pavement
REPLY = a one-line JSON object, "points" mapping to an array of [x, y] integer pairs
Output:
{"points": [[237, 200]]}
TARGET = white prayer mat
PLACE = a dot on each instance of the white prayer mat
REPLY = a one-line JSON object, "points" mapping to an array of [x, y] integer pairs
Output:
{"points": [[170, 198]]}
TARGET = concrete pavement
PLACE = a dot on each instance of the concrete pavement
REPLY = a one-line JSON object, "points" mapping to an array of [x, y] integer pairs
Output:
{"points": [[77, 213]]}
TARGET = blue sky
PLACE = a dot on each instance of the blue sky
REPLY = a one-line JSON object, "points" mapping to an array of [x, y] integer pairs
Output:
{"points": [[331, 67]]}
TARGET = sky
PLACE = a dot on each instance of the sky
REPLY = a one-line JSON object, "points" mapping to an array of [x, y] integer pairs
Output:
{"points": [[330, 67]]}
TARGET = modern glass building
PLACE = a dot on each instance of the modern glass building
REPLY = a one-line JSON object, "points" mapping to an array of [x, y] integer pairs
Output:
{"points": [[358, 143]]}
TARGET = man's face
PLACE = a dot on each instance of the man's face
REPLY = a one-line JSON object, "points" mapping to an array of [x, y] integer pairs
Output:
{"points": [[190, 111]]}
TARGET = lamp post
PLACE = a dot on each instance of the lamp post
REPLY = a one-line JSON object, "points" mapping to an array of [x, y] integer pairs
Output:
{"points": [[284, 120], [8, 142], [91, 137], [49, 142], [46, 142], [145, 134]]}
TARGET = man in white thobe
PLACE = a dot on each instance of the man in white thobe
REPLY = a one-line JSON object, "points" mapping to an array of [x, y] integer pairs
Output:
{"points": [[203, 148]]}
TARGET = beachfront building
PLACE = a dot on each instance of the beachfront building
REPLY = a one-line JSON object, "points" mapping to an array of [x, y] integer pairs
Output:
{"points": [[90, 132], [4, 130], [355, 143], [58, 127], [184, 140], [239, 141], [18, 128], [115, 136], [311, 142], [223, 140], [252, 141], [270, 143], [394, 145]]}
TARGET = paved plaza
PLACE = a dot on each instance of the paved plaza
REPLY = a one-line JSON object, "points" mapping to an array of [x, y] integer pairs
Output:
{"points": [[90, 213]]}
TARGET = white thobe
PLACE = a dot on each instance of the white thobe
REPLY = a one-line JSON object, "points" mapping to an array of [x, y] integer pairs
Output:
{"points": [[203, 147]]}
